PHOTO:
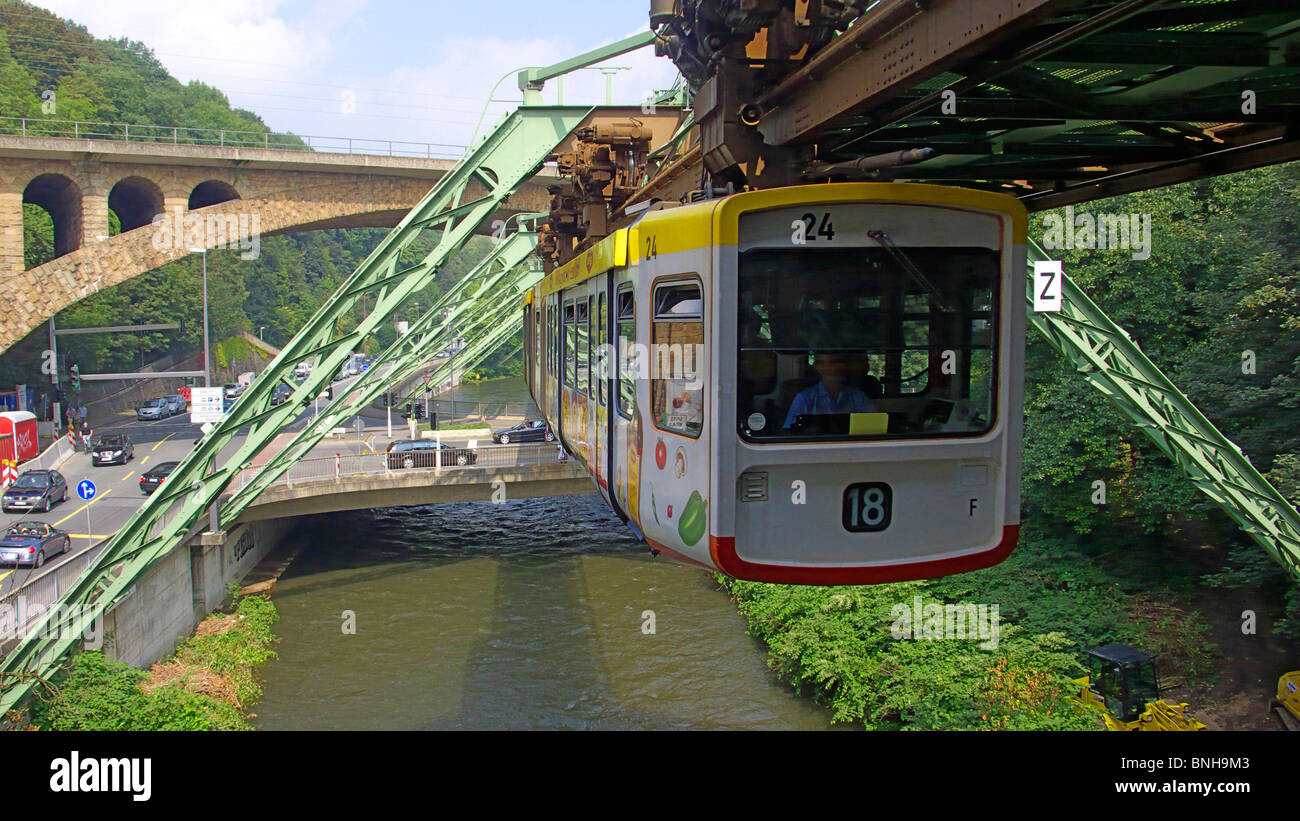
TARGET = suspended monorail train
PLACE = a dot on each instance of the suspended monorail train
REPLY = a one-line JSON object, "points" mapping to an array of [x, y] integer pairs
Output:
{"points": [[817, 384]]}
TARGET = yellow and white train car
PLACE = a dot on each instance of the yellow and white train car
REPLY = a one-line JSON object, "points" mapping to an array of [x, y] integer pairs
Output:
{"points": [[817, 384]]}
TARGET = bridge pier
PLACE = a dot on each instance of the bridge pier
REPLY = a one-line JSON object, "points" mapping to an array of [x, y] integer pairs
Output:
{"points": [[11, 227]]}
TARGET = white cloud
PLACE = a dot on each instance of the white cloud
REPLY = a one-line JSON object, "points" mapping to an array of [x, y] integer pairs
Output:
{"points": [[290, 61]]}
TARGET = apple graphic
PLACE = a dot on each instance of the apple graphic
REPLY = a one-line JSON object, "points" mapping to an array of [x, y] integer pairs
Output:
{"points": [[661, 454]]}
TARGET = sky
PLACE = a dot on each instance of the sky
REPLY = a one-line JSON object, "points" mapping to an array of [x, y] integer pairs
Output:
{"points": [[380, 69]]}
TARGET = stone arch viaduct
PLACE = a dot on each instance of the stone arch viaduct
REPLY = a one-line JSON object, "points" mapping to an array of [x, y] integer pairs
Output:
{"points": [[77, 181]]}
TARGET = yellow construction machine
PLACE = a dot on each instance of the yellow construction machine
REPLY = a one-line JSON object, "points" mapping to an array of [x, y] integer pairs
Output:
{"points": [[1123, 688]]}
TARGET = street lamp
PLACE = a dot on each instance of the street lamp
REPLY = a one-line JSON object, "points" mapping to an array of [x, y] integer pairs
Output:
{"points": [[207, 370], [260, 328]]}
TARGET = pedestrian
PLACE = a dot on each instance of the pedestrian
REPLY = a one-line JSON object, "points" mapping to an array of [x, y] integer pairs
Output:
{"points": [[83, 414]]}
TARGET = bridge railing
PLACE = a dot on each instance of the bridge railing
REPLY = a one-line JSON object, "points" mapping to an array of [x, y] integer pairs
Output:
{"points": [[222, 137], [342, 465]]}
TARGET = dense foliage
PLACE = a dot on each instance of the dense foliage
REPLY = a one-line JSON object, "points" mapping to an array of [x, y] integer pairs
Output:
{"points": [[208, 685]]}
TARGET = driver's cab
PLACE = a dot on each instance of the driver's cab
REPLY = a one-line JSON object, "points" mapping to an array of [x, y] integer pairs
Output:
{"points": [[1124, 678]]}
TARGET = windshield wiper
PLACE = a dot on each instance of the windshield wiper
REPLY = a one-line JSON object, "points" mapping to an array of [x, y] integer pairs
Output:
{"points": [[905, 262]]}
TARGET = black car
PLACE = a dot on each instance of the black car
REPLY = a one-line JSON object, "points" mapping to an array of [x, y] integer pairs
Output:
{"points": [[35, 490], [32, 543], [529, 430], [150, 481], [282, 392], [423, 453], [109, 450]]}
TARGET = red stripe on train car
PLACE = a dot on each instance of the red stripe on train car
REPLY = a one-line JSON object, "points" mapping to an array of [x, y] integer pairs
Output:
{"points": [[723, 550]]}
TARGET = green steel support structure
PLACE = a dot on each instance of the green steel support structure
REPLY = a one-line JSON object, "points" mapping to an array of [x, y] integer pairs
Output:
{"points": [[1112, 363], [456, 206]]}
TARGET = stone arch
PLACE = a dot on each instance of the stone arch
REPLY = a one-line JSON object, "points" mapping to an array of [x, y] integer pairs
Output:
{"points": [[211, 192], [61, 199], [136, 201]]}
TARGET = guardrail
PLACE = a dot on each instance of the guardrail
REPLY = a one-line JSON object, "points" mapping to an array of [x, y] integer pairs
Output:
{"points": [[225, 138], [345, 465]]}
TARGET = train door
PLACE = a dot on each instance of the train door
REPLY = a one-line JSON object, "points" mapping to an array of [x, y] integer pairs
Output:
{"points": [[600, 386], [675, 473], [568, 375], [626, 441], [553, 337]]}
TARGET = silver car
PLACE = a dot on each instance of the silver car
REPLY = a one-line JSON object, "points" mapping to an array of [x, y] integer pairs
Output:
{"points": [[175, 404], [152, 409]]}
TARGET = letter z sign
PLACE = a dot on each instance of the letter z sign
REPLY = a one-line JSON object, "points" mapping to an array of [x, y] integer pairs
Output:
{"points": [[1048, 284]]}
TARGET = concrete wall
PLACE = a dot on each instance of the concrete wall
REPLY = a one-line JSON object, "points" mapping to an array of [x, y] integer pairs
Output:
{"points": [[180, 590]]}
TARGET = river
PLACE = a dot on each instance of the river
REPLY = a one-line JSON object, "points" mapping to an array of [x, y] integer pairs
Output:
{"points": [[526, 615]]}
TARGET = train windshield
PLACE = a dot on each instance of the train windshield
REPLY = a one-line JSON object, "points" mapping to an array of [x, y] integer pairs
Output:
{"points": [[866, 343]]}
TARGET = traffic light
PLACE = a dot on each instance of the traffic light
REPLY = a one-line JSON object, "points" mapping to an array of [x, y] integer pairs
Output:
{"points": [[59, 395], [76, 377]]}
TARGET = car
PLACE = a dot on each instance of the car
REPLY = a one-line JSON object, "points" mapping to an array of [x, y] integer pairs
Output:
{"points": [[231, 390], [282, 392], [156, 475], [423, 453], [529, 430], [35, 490], [152, 409], [302, 370], [32, 543], [176, 404], [111, 449]]}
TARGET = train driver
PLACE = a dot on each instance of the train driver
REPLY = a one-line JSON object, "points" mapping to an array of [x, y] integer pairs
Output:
{"points": [[832, 394]]}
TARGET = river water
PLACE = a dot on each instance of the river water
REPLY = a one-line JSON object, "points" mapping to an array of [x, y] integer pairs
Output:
{"points": [[530, 614], [526, 615]]}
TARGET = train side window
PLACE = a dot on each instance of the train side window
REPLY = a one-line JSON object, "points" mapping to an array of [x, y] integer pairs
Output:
{"points": [[583, 328], [677, 334], [601, 358], [570, 347], [626, 304]]}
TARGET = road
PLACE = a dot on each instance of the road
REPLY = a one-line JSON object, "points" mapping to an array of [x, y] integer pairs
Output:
{"points": [[118, 494]]}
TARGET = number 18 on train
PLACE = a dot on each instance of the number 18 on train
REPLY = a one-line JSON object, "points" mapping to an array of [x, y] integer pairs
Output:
{"points": [[817, 384]]}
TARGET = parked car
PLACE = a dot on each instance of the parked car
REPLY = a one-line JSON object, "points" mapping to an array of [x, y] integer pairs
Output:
{"points": [[112, 449], [176, 404], [32, 543], [152, 409], [231, 390], [35, 490], [529, 430], [282, 392], [423, 453], [157, 474]]}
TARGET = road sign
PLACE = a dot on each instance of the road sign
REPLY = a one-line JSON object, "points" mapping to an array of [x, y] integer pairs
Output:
{"points": [[86, 489], [206, 405]]}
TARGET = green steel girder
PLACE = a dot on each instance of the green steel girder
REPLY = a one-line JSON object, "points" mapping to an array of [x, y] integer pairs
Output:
{"points": [[1111, 362], [508, 156], [504, 273]]}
